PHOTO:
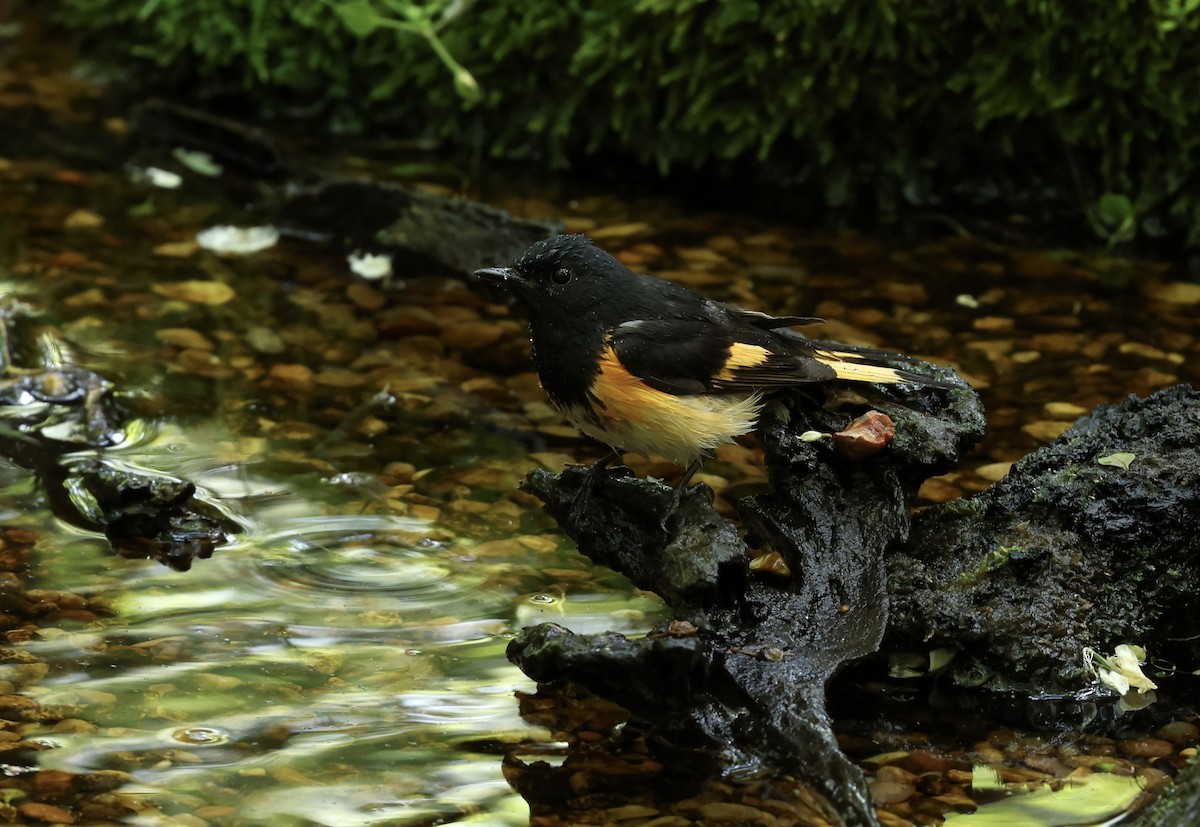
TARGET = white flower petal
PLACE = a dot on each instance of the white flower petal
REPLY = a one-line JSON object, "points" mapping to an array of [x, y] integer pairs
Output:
{"points": [[240, 240], [1127, 660], [164, 179], [1114, 680], [370, 266]]}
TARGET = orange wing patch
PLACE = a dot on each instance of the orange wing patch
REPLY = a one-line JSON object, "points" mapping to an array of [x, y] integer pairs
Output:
{"points": [[629, 414]]}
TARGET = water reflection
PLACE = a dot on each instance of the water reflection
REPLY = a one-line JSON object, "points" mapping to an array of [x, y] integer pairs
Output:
{"points": [[326, 667]]}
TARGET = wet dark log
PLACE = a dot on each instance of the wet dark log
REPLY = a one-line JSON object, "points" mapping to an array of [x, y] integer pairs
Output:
{"points": [[418, 229], [164, 125], [46, 416], [1070, 550], [454, 234], [146, 515], [746, 671]]}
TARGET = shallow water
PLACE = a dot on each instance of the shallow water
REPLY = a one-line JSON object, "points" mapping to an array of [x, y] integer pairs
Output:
{"points": [[341, 662], [331, 666]]}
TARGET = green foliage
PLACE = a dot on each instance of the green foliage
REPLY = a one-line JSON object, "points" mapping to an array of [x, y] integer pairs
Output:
{"points": [[869, 103]]}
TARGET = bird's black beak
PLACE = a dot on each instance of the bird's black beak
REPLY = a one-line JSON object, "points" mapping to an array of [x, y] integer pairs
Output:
{"points": [[501, 276]]}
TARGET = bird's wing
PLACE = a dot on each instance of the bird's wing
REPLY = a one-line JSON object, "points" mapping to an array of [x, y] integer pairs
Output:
{"points": [[695, 356]]}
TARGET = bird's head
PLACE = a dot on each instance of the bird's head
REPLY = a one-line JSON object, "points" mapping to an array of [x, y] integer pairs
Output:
{"points": [[566, 274]]}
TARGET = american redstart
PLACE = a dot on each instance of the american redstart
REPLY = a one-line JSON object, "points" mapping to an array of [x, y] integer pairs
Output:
{"points": [[645, 365]]}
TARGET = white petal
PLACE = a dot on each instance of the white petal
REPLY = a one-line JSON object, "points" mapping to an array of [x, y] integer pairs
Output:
{"points": [[241, 240], [1114, 680], [370, 266]]}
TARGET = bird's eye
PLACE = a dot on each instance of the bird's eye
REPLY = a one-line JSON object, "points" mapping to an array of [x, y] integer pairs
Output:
{"points": [[561, 275]]}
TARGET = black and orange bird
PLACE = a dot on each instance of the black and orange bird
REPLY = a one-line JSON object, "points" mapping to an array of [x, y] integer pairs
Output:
{"points": [[645, 365]]}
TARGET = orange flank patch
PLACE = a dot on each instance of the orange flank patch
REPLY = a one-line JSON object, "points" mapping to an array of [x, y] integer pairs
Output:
{"points": [[622, 396], [742, 357], [630, 415]]}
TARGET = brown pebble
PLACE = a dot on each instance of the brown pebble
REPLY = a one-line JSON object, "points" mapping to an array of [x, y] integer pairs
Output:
{"points": [[183, 337], [472, 335], [1047, 763], [985, 753], [72, 725], [892, 820], [992, 323], [615, 231], [176, 249], [1141, 349], [428, 513], [630, 811], [731, 813], [929, 761], [46, 812], [201, 363], [197, 292], [365, 296], [938, 490], [1146, 747], [469, 506], [667, 821], [1178, 732], [957, 799], [994, 471], [903, 292], [895, 774], [884, 793], [1046, 430], [1175, 292], [19, 536], [372, 426], [338, 378], [1064, 410], [294, 374], [295, 431], [83, 220]]}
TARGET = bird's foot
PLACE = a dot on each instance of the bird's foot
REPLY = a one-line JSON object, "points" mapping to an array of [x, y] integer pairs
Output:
{"points": [[667, 518], [580, 502]]}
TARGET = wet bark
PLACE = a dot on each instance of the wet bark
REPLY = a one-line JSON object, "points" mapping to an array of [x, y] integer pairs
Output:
{"points": [[48, 415], [418, 229], [747, 666], [1068, 551], [1072, 549]]}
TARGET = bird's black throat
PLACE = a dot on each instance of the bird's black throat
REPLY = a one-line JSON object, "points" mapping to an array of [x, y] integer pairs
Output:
{"points": [[567, 358]]}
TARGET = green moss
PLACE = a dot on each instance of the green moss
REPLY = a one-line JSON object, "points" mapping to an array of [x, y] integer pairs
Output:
{"points": [[871, 104], [992, 560]]}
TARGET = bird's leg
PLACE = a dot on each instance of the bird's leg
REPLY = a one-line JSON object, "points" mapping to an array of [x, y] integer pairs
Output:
{"points": [[677, 494], [589, 483]]}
